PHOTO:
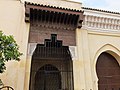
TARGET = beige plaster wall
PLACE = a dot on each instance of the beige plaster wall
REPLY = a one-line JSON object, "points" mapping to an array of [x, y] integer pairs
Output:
{"points": [[102, 42], [81, 66], [12, 23], [89, 46]]}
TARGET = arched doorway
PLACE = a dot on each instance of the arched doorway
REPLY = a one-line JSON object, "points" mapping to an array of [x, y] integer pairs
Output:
{"points": [[48, 78], [51, 66], [108, 72]]}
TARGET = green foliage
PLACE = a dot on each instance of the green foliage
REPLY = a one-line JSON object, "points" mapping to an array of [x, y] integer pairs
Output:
{"points": [[8, 50]]}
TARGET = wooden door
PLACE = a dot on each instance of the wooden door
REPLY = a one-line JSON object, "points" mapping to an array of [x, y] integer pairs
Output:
{"points": [[108, 72]]}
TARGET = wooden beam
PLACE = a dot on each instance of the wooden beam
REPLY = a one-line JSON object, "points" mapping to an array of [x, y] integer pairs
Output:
{"points": [[27, 14]]}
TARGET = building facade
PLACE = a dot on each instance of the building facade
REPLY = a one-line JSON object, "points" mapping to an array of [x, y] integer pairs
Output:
{"points": [[65, 46]]}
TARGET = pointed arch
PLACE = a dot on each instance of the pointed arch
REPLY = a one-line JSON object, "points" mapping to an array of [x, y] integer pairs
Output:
{"points": [[114, 51], [108, 72], [110, 49]]}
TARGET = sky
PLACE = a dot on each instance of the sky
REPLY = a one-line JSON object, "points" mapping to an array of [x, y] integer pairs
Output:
{"points": [[110, 5]]}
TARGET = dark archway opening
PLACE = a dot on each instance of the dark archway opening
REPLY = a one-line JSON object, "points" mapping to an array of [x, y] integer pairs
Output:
{"points": [[48, 77], [108, 72], [51, 66]]}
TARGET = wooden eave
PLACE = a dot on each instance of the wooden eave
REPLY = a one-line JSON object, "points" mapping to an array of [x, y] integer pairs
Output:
{"points": [[72, 14]]}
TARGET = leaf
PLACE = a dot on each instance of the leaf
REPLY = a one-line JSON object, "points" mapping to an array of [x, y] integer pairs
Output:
{"points": [[9, 50]]}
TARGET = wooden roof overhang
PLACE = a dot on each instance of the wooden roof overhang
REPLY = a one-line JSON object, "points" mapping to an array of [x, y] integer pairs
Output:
{"points": [[51, 16]]}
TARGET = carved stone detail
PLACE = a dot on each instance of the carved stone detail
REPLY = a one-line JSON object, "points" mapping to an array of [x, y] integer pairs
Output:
{"points": [[96, 22], [31, 48], [73, 52]]}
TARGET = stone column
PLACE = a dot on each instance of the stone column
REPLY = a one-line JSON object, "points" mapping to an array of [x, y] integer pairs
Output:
{"points": [[73, 52], [86, 59], [78, 65]]}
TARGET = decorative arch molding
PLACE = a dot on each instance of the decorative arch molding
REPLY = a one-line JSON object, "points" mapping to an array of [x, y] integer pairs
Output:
{"points": [[112, 50]]}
